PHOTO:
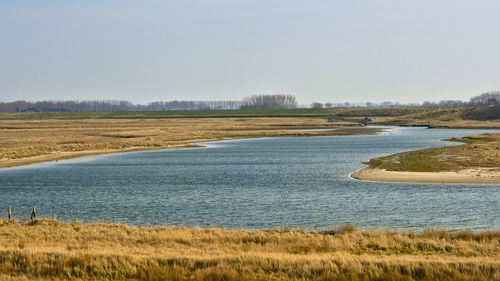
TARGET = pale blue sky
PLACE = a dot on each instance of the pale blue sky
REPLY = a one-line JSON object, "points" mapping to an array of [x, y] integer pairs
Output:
{"points": [[318, 50]]}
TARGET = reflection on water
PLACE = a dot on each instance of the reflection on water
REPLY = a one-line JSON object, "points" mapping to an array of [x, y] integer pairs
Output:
{"points": [[260, 183]]}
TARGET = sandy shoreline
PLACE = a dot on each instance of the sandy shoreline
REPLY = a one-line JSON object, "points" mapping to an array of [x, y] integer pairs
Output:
{"points": [[478, 176], [64, 155]]}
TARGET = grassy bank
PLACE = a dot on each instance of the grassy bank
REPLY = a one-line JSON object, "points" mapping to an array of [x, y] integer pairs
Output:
{"points": [[50, 250], [480, 151]]}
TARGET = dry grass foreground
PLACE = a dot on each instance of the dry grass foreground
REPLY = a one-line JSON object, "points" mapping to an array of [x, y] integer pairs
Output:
{"points": [[51, 250], [30, 141], [476, 161]]}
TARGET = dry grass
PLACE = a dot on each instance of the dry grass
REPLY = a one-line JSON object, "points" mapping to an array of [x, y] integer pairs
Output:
{"points": [[30, 141], [50, 250], [459, 117]]}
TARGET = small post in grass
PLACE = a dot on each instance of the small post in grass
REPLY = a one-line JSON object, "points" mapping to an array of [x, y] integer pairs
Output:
{"points": [[10, 212], [33, 214]]}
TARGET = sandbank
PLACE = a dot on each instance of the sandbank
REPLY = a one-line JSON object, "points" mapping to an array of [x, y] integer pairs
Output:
{"points": [[467, 176]]}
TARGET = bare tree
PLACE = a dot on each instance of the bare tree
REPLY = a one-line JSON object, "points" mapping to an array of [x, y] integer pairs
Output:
{"points": [[269, 102], [488, 98], [316, 105]]}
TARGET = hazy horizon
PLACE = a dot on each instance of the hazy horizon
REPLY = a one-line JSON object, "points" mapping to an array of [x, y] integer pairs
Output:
{"points": [[325, 51]]}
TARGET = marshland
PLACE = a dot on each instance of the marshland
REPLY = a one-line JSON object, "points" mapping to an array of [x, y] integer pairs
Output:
{"points": [[245, 198], [249, 140]]}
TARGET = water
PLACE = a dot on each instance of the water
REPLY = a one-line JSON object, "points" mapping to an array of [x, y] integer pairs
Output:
{"points": [[258, 183]]}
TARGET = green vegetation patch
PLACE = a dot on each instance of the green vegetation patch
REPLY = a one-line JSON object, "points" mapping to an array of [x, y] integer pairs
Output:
{"points": [[416, 161], [240, 113], [168, 114], [431, 115]]}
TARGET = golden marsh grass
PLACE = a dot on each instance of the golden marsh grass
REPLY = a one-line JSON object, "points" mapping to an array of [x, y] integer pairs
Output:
{"points": [[51, 250]]}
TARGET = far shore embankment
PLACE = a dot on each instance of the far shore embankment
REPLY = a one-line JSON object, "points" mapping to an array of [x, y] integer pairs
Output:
{"points": [[25, 142]]}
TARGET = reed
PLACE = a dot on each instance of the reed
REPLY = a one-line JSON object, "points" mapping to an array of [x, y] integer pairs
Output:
{"points": [[52, 250]]}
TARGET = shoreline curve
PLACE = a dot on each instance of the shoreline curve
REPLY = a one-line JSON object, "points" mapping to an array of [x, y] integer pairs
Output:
{"points": [[467, 176]]}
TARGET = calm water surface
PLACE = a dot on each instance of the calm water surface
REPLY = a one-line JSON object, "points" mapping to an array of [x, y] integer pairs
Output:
{"points": [[259, 183]]}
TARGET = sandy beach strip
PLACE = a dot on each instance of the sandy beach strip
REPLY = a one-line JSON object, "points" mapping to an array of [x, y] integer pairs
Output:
{"points": [[65, 155], [470, 176]]}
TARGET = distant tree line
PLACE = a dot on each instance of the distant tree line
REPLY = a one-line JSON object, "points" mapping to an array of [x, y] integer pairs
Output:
{"points": [[65, 105], [269, 102], [190, 105], [252, 102], [488, 98], [367, 104]]}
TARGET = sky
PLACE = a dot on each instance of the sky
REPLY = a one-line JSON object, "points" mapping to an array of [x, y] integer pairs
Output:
{"points": [[318, 50]]}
